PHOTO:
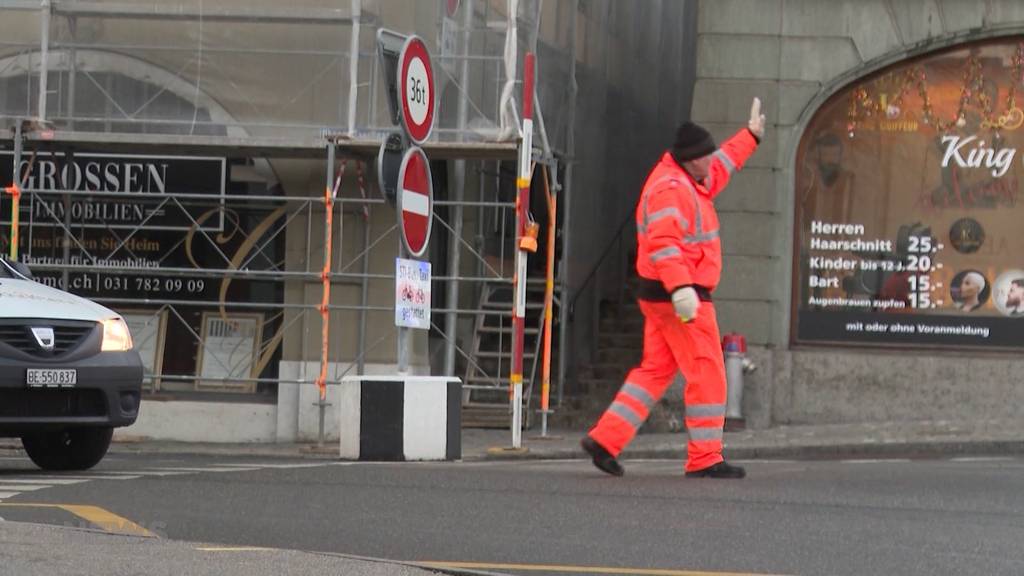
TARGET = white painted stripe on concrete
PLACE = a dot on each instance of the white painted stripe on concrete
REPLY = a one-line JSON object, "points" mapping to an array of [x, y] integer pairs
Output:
{"points": [[982, 459], [260, 465], [23, 487], [415, 202], [349, 401], [35, 480], [208, 469], [4, 495], [876, 461], [100, 477], [425, 420]]}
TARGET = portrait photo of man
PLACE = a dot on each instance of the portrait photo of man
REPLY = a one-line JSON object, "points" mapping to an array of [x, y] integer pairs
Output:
{"points": [[1014, 303]]}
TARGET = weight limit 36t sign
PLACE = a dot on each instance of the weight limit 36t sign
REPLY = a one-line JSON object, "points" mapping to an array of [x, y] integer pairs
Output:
{"points": [[416, 90]]}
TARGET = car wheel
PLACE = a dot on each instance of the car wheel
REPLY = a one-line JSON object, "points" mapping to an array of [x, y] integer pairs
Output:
{"points": [[71, 449]]}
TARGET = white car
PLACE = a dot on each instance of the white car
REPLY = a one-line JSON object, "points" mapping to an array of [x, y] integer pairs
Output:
{"points": [[68, 373]]}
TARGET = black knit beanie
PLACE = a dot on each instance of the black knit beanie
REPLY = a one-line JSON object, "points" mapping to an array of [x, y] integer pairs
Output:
{"points": [[692, 142]]}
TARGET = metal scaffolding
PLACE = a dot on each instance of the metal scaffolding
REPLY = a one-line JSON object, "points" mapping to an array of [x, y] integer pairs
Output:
{"points": [[259, 95]]}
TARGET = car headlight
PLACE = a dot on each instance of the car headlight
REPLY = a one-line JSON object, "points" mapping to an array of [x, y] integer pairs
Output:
{"points": [[116, 337]]}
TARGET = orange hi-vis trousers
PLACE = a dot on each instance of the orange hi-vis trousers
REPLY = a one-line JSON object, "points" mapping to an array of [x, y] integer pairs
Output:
{"points": [[695, 350]]}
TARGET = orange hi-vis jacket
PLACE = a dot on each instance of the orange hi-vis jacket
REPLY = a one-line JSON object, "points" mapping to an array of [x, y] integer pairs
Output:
{"points": [[676, 221]]}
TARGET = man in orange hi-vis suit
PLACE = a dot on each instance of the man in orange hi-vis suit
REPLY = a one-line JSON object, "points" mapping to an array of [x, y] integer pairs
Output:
{"points": [[679, 260]]}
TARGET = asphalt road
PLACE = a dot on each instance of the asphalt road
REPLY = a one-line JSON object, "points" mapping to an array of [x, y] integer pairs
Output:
{"points": [[923, 517]]}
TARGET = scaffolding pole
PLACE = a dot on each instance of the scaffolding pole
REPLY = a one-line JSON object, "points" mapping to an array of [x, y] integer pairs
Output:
{"points": [[522, 219], [451, 321], [353, 67], [570, 148], [44, 58]]}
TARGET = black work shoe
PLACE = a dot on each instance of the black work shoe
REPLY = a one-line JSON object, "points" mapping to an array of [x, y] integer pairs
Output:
{"points": [[720, 470], [604, 461]]}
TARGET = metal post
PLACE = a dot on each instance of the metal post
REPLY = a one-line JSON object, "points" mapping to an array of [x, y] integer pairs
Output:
{"points": [[570, 148], [72, 72], [522, 217], [65, 275], [44, 57], [403, 332], [364, 298], [18, 147], [451, 321], [353, 67]]}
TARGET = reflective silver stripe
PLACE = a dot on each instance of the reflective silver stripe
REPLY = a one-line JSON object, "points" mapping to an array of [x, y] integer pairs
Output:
{"points": [[670, 212], [705, 410], [729, 166], [698, 224], [705, 433], [704, 237], [626, 413], [646, 221], [640, 395], [665, 253], [642, 226]]}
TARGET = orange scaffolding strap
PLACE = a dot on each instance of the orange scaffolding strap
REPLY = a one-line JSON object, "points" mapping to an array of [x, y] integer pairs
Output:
{"points": [[325, 278], [15, 193], [549, 294]]}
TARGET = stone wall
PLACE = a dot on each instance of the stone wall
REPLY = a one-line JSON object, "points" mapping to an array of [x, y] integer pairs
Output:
{"points": [[794, 54]]}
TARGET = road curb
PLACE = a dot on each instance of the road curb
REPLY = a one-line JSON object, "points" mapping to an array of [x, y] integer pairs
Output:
{"points": [[918, 449]]}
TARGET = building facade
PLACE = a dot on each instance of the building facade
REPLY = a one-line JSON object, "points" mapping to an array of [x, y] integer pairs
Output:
{"points": [[174, 159], [872, 251]]}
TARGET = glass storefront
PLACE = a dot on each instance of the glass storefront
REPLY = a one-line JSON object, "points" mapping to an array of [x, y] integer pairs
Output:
{"points": [[907, 205], [155, 238]]}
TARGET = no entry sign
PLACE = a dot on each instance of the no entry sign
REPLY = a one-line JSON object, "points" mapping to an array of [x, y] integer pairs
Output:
{"points": [[415, 201], [416, 89]]}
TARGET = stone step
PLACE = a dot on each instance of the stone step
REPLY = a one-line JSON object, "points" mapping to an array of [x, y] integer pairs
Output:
{"points": [[628, 325], [620, 341], [622, 356], [616, 372], [486, 416], [606, 386]]}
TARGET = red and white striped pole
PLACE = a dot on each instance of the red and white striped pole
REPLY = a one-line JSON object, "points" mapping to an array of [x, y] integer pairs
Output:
{"points": [[519, 281]]}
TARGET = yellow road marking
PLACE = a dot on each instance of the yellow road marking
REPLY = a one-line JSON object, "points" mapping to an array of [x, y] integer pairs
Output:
{"points": [[232, 549], [103, 519], [581, 569]]}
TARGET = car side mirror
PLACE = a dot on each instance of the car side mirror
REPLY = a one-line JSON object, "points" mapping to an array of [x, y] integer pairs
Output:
{"points": [[22, 269]]}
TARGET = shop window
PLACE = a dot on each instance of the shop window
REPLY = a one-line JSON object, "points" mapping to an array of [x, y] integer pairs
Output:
{"points": [[908, 211], [149, 234]]}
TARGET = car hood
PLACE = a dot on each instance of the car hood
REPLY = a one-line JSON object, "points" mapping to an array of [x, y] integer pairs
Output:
{"points": [[26, 299]]}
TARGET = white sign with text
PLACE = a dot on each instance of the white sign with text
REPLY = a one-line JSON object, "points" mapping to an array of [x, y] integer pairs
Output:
{"points": [[412, 294]]}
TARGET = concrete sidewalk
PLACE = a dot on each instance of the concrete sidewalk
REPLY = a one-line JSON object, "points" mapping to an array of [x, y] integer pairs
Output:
{"points": [[918, 439], [921, 439]]}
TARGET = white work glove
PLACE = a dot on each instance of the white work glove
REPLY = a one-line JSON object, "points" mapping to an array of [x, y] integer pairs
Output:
{"points": [[756, 123], [686, 303]]}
